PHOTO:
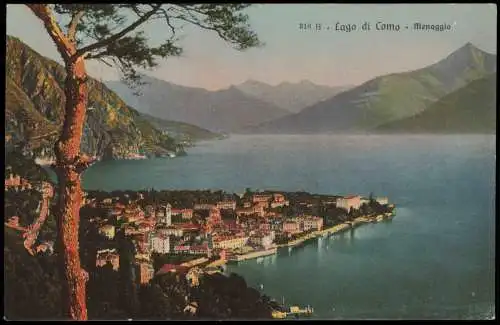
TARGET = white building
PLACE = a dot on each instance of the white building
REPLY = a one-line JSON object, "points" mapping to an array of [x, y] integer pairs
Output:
{"points": [[204, 206], [168, 215], [263, 239], [230, 242], [171, 231], [279, 204], [382, 200], [349, 202], [160, 244], [164, 215], [312, 223], [226, 205]]}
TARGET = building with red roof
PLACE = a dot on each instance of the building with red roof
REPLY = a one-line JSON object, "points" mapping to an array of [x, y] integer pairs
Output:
{"points": [[172, 268]]}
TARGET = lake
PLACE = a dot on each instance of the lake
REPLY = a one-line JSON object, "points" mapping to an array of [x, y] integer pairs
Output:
{"points": [[434, 260]]}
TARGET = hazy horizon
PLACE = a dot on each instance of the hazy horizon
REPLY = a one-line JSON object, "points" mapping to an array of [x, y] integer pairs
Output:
{"points": [[293, 55]]}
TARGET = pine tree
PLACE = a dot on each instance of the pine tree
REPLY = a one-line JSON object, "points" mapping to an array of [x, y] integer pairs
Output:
{"points": [[111, 34]]}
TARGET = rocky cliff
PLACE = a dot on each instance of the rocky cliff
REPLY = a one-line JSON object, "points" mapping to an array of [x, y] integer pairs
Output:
{"points": [[35, 107]]}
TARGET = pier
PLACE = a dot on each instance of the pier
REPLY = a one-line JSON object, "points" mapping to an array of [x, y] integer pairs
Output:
{"points": [[234, 258], [294, 311]]}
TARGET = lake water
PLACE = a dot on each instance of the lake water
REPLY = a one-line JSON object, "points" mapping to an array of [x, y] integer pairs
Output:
{"points": [[436, 259]]}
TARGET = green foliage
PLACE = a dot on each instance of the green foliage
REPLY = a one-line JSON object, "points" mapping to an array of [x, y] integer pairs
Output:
{"points": [[103, 296], [22, 204], [25, 167], [32, 284], [217, 297]]}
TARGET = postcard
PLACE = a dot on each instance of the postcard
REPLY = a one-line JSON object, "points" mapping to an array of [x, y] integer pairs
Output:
{"points": [[250, 161]]}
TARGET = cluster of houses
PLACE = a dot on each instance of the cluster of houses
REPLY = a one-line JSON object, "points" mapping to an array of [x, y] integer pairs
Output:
{"points": [[202, 231], [17, 183], [30, 232]]}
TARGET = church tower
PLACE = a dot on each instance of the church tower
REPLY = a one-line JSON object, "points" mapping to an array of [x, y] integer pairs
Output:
{"points": [[168, 214]]}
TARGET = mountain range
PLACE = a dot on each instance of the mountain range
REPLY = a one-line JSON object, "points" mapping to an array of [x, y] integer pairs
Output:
{"points": [[226, 110], [386, 98], [291, 96], [470, 109], [455, 94], [187, 133], [35, 107]]}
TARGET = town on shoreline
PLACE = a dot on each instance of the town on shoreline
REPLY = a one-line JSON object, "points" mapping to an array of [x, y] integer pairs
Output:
{"points": [[192, 233], [232, 227]]}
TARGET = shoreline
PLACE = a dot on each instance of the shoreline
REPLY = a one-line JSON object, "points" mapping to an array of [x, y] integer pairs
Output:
{"points": [[252, 255], [341, 227]]}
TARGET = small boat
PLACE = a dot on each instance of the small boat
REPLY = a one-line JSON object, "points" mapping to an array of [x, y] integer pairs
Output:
{"points": [[278, 314], [261, 286]]}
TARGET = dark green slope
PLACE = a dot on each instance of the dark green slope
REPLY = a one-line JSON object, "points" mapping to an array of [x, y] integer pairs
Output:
{"points": [[182, 131], [470, 109], [387, 98]]}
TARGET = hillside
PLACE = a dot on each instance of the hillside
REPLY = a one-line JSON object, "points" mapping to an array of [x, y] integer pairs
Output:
{"points": [[184, 132], [33, 283], [225, 110], [35, 103], [470, 109], [387, 98], [290, 96]]}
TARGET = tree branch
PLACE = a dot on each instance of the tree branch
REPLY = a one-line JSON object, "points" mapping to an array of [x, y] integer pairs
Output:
{"points": [[105, 62], [97, 55], [120, 34], [169, 23], [207, 27], [73, 24], [43, 12]]}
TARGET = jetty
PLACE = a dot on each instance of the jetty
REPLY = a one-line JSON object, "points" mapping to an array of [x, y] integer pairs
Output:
{"points": [[297, 311], [293, 311], [341, 227], [316, 234], [254, 254], [333, 230]]}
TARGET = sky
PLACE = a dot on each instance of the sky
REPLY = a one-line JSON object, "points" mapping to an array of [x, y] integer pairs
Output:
{"points": [[326, 57]]}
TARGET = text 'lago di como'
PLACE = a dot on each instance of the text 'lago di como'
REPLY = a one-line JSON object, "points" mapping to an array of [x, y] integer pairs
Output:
{"points": [[345, 27]]}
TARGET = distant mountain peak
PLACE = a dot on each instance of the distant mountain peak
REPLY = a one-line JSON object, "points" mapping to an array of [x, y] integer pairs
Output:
{"points": [[302, 82], [253, 82], [224, 110], [306, 82], [460, 61], [387, 98], [470, 47]]}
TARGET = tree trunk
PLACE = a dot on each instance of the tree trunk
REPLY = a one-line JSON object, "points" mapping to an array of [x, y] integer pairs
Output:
{"points": [[69, 168]]}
